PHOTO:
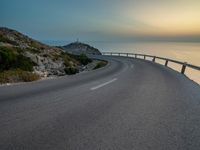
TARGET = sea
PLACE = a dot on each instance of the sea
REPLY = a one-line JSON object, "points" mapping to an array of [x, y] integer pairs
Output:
{"points": [[182, 51]]}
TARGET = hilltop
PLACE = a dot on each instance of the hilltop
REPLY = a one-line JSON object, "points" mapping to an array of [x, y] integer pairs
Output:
{"points": [[81, 48], [20, 54]]}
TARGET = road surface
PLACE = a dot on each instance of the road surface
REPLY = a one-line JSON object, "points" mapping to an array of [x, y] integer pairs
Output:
{"points": [[130, 104]]}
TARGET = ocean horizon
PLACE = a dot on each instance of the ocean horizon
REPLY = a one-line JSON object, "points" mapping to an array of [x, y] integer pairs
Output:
{"points": [[182, 51]]}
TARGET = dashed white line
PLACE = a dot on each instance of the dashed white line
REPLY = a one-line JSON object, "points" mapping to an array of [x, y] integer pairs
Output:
{"points": [[103, 84]]}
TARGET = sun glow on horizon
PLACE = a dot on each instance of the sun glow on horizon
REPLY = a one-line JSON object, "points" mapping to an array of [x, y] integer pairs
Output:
{"points": [[164, 19], [104, 20]]}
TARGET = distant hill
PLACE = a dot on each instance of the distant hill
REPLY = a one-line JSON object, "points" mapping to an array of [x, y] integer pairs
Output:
{"points": [[18, 51], [81, 48]]}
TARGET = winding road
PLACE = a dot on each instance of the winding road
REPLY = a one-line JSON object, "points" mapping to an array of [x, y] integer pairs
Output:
{"points": [[130, 104]]}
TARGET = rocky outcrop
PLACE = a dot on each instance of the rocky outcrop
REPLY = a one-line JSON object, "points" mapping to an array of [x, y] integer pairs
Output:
{"points": [[81, 48], [46, 66], [49, 60]]}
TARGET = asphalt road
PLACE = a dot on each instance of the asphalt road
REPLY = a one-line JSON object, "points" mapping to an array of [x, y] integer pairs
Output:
{"points": [[128, 105]]}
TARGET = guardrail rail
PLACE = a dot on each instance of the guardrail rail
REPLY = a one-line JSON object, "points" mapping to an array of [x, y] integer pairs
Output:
{"points": [[134, 55]]}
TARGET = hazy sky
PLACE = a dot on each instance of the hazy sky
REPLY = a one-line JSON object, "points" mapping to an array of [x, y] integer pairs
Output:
{"points": [[104, 20]]}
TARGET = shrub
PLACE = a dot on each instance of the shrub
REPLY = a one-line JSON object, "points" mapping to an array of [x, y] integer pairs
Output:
{"points": [[83, 59], [10, 59], [7, 57], [71, 70], [100, 64], [35, 44], [17, 75], [66, 60], [28, 76]]}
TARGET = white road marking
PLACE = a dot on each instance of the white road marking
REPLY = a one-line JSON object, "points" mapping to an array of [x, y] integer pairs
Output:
{"points": [[103, 84]]}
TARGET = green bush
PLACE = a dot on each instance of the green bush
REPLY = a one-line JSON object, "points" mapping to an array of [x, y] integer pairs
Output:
{"points": [[72, 61], [100, 64], [71, 70], [82, 59], [7, 57], [67, 60], [24, 63], [11, 59]]}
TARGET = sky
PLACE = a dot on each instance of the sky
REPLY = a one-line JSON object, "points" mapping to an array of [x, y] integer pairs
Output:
{"points": [[104, 20]]}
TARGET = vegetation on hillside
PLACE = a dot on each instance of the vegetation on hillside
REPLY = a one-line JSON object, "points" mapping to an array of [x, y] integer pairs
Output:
{"points": [[6, 40], [100, 64], [19, 54], [82, 59], [15, 67], [71, 61], [17, 75], [11, 59]]}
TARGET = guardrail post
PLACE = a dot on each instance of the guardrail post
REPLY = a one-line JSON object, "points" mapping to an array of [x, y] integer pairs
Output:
{"points": [[111, 53], [144, 57], [135, 55], [166, 63], [154, 59], [127, 54], [183, 68], [119, 54]]}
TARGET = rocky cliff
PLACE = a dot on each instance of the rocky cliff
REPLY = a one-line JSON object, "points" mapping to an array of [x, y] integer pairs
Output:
{"points": [[47, 60]]}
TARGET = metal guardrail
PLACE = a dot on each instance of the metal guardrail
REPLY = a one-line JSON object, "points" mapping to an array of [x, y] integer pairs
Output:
{"points": [[184, 64]]}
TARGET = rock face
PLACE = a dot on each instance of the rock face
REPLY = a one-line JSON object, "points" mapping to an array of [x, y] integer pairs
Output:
{"points": [[46, 66], [81, 48], [49, 60]]}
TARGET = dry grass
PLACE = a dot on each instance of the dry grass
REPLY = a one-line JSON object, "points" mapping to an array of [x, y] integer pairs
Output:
{"points": [[13, 76]]}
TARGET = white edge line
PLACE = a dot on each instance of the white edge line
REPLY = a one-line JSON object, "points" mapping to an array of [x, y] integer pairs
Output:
{"points": [[103, 84]]}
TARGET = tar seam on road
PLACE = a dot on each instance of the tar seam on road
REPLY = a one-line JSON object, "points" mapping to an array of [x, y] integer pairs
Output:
{"points": [[132, 66], [103, 84]]}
